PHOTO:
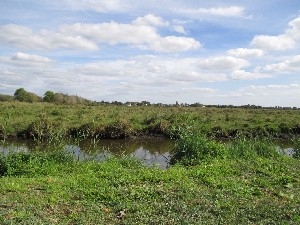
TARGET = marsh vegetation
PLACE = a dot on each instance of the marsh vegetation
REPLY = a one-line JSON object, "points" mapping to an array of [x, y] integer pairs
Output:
{"points": [[247, 180]]}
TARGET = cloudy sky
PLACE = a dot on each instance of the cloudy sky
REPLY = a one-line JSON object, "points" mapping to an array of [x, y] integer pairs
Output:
{"points": [[213, 52]]}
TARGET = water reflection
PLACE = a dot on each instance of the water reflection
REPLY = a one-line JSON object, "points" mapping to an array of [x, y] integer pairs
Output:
{"points": [[151, 151]]}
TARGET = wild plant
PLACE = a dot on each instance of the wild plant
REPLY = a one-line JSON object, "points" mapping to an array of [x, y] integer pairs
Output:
{"points": [[193, 147], [250, 148], [4, 126]]}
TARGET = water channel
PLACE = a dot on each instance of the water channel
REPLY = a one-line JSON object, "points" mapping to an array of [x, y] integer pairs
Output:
{"points": [[152, 151]]}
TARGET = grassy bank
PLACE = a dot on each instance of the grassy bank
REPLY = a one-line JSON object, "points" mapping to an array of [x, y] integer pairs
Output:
{"points": [[244, 182], [54, 189], [42, 120]]}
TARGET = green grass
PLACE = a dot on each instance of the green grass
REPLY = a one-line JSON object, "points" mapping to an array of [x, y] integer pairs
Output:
{"points": [[55, 189], [244, 182], [42, 120]]}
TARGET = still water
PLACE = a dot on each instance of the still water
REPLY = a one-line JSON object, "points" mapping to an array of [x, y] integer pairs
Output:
{"points": [[153, 151]]}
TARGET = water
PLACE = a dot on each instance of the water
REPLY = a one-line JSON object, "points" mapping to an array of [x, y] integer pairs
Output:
{"points": [[152, 151]]}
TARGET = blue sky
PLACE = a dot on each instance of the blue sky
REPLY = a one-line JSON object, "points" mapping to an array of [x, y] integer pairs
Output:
{"points": [[213, 52]]}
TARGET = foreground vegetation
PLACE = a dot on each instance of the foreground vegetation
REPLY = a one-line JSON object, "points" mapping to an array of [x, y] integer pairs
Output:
{"points": [[245, 182], [48, 120], [55, 189]]}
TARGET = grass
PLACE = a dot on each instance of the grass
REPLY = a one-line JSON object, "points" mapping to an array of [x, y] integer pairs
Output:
{"points": [[43, 120], [245, 182], [40, 188]]}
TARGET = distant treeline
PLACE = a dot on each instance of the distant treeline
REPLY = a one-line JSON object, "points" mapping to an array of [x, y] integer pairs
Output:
{"points": [[22, 95]]}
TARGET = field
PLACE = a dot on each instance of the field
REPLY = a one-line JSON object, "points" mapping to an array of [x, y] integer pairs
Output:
{"points": [[246, 181], [29, 120]]}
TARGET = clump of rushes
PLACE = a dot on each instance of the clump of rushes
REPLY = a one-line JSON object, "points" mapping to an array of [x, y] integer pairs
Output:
{"points": [[296, 144], [250, 148], [192, 148]]}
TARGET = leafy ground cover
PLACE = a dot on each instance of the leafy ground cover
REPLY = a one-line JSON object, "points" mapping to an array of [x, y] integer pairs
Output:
{"points": [[43, 120], [54, 188]]}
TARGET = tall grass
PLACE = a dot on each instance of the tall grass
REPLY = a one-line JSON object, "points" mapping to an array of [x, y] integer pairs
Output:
{"points": [[193, 148], [250, 148], [39, 120], [28, 164]]}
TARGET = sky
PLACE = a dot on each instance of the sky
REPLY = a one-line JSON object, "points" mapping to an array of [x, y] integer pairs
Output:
{"points": [[232, 52]]}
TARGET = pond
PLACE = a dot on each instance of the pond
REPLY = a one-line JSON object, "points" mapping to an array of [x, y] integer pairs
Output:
{"points": [[153, 151]]}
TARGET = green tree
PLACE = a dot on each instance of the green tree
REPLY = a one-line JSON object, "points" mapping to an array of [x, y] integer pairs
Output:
{"points": [[21, 95], [49, 96], [32, 97]]}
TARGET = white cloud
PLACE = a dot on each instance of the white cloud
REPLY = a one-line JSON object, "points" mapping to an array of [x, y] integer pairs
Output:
{"points": [[224, 63], [147, 36], [151, 20], [23, 37], [179, 29], [87, 36], [174, 44], [282, 90], [294, 30], [285, 41], [188, 76], [232, 11], [244, 75], [291, 64], [267, 42], [30, 58], [154, 70], [245, 52], [113, 32]]}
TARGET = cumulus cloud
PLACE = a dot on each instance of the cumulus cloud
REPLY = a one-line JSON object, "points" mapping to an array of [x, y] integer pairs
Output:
{"points": [[151, 20], [291, 64], [174, 44], [281, 42], [224, 63], [136, 34], [245, 52], [84, 36], [23, 37], [267, 42], [282, 90], [30, 58], [113, 32], [294, 30], [179, 29], [244, 75], [149, 69]]}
